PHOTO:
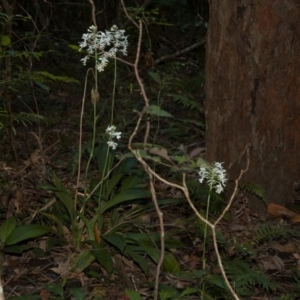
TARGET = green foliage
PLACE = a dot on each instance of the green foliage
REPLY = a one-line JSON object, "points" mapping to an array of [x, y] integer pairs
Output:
{"points": [[268, 232], [117, 189], [168, 293], [24, 119], [133, 295], [12, 235], [157, 111], [244, 278], [255, 189], [188, 103]]}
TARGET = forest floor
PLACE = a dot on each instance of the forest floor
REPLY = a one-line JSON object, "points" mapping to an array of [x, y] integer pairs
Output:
{"points": [[261, 255]]}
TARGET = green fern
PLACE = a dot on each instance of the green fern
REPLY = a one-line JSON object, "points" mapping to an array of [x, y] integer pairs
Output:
{"points": [[244, 278], [188, 103], [268, 232], [255, 189]]}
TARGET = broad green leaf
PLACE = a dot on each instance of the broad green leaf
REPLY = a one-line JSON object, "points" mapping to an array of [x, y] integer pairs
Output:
{"points": [[6, 228], [82, 260], [104, 157], [157, 111], [125, 166], [42, 85], [131, 182], [54, 288], [153, 253], [155, 76], [63, 195], [78, 293], [124, 196], [145, 155], [132, 252], [201, 162], [103, 257], [111, 184], [150, 239], [88, 226], [25, 232], [170, 263], [17, 249], [115, 239], [53, 77], [54, 219], [189, 291], [74, 47], [195, 274], [217, 280], [180, 159], [167, 292], [5, 40], [133, 295]]}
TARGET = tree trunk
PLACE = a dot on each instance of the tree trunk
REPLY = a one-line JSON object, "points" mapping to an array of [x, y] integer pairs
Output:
{"points": [[253, 92]]}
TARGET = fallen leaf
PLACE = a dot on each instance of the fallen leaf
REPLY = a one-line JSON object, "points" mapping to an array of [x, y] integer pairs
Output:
{"points": [[295, 219], [44, 295], [196, 152], [278, 262], [288, 248], [163, 152], [280, 211]]}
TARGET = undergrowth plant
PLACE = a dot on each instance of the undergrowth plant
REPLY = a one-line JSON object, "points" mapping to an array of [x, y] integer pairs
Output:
{"points": [[102, 217], [18, 77]]}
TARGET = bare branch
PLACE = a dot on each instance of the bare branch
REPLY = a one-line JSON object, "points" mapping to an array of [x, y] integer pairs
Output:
{"points": [[170, 56]]}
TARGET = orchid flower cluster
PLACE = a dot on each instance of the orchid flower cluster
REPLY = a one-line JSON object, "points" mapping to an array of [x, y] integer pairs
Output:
{"points": [[96, 42], [215, 177], [111, 131]]}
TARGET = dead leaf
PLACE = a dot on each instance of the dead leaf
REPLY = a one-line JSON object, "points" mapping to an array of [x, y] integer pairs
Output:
{"points": [[97, 233], [278, 262], [44, 295], [266, 265], [231, 251], [288, 248], [280, 211], [196, 152], [236, 227], [296, 218], [160, 152], [94, 96], [63, 268]]}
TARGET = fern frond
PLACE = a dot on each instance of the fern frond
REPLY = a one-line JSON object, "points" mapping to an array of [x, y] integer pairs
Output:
{"points": [[244, 278], [255, 189], [267, 232], [187, 103]]}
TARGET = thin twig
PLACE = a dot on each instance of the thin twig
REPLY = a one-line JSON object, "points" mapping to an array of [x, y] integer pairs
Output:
{"points": [[127, 14], [139, 158], [93, 13], [177, 53]]}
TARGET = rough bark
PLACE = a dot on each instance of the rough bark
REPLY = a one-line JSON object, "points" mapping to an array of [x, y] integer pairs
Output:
{"points": [[253, 92]]}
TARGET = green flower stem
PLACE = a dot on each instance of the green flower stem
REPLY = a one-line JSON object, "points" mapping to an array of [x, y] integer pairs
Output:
{"points": [[205, 226], [94, 127], [111, 123]]}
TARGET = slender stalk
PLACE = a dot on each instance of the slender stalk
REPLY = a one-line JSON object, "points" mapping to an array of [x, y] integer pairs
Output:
{"points": [[95, 98], [206, 227]]}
